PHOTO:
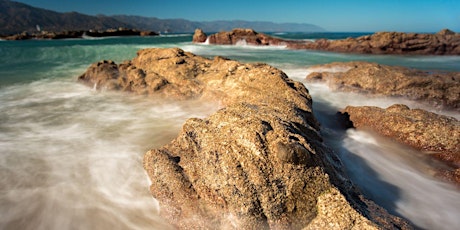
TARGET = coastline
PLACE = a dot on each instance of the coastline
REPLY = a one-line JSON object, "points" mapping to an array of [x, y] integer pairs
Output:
{"points": [[293, 62], [47, 35], [445, 42]]}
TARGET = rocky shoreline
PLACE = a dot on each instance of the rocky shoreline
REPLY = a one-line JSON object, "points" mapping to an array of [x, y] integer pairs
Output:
{"points": [[436, 135], [445, 42], [78, 34], [257, 163]]}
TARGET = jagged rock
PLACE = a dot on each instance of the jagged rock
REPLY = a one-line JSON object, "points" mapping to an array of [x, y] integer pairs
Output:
{"points": [[245, 36], [434, 87], [257, 163], [444, 42], [435, 134], [199, 36]]}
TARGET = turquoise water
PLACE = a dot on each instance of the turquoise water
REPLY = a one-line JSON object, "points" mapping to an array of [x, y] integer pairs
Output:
{"points": [[70, 157]]}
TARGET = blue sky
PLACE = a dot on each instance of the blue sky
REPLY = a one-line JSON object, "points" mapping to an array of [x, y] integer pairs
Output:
{"points": [[333, 15]]}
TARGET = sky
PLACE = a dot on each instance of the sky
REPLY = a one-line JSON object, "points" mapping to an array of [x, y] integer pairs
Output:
{"points": [[332, 15]]}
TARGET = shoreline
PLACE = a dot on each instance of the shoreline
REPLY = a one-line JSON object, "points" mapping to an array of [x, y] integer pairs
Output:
{"points": [[445, 42], [50, 35]]}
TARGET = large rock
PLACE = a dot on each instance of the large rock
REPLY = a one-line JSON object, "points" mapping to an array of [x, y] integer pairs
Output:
{"points": [[257, 163], [199, 36], [243, 37], [434, 87], [435, 134], [445, 42]]}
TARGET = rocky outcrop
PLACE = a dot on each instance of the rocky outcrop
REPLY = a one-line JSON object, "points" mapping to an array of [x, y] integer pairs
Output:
{"points": [[199, 36], [243, 37], [257, 163], [433, 87], [437, 135], [445, 42]]}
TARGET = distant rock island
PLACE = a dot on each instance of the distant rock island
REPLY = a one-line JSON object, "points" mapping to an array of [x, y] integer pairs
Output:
{"points": [[445, 42], [18, 18]]}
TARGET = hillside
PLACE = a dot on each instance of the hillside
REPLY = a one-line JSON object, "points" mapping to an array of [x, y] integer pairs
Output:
{"points": [[181, 25], [17, 17]]}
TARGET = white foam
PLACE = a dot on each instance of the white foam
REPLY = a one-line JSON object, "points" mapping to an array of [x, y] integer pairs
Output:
{"points": [[425, 200], [72, 157]]}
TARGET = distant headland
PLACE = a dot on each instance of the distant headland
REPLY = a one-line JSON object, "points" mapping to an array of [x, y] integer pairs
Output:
{"points": [[79, 34], [24, 22]]}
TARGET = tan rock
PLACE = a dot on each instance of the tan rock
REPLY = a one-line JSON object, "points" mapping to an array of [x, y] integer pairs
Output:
{"points": [[199, 36], [257, 163], [436, 88], [246, 36], [444, 42]]}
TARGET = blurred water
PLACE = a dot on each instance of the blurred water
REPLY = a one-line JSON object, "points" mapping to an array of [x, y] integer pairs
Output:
{"points": [[70, 157]]}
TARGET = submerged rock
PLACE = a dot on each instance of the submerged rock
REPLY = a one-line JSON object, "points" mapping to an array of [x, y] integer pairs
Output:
{"points": [[436, 88], [445, 42], [435, 134], [257, 163]]}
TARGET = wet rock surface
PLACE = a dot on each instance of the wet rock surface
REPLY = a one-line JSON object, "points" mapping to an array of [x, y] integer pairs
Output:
{"points": [[259, 162], [445, 42], [437, 135], [436, 88]]}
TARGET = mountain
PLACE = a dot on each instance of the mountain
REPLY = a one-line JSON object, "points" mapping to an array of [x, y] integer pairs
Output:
{"points": [[17, 17], [181, 25]]}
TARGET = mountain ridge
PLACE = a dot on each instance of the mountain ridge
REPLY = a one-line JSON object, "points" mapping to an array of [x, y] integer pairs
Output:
{"points": [[16, 17]]}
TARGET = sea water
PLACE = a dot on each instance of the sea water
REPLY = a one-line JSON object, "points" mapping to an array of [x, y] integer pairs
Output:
{"points": [[71, 157]]}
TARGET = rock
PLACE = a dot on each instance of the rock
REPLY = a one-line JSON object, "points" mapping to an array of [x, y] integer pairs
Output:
{"points": [[434, 87], [199, 36], [259, 162], [445, 32], [435, 134], [246, 37], [444, 42]]}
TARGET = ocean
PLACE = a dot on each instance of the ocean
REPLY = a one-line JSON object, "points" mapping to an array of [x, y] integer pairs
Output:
{"points": [[71, 157]]}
